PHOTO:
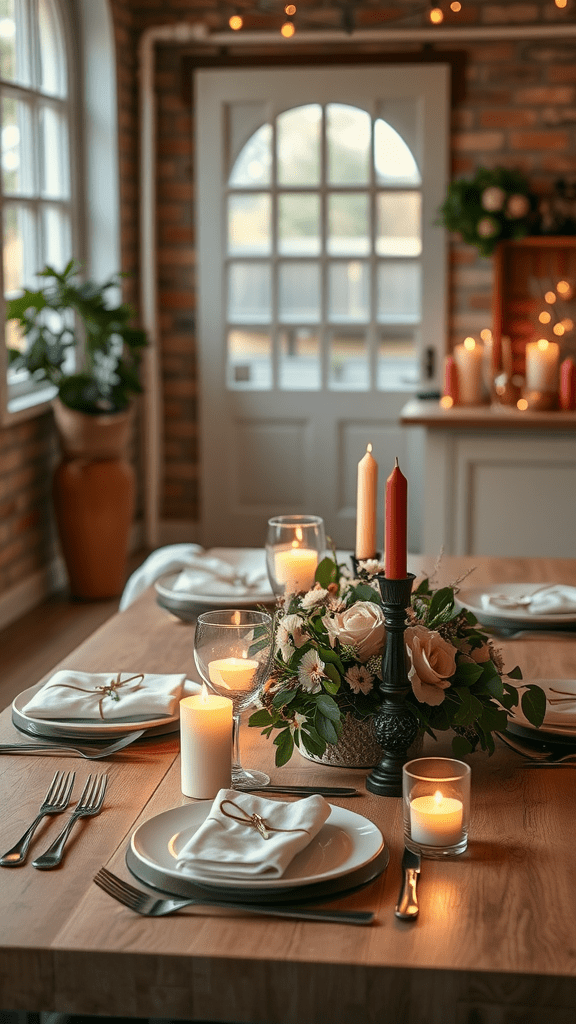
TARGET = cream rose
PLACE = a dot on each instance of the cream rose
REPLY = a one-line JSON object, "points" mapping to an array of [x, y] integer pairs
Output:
{"points": [[432, 662], [361, 627]]}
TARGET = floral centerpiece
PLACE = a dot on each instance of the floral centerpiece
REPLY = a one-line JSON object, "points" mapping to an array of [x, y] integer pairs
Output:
{"points": [[493, 205], [328, 648]]}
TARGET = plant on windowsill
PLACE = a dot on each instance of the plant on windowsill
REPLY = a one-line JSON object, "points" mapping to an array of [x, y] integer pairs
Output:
{"points": [[493, 205], [328, 647], [94, 483]]}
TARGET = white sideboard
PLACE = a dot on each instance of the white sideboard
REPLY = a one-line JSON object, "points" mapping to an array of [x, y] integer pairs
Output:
{"points": [[496, 481]]}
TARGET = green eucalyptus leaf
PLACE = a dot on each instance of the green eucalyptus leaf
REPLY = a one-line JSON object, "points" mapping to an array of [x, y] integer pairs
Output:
{"points": [[326, 573], [533, 704], [515, 673], [284, 744]]}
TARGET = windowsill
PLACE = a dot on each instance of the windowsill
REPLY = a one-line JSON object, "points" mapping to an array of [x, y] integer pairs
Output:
{"points": [[28, 404]]}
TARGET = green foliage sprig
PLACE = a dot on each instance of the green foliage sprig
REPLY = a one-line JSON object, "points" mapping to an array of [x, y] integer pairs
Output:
{"points": [[493, 205], [318, 676], [111, 351]]}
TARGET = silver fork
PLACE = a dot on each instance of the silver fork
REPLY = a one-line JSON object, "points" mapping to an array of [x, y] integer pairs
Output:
{"points": [[89, 804], [535, 757], [86, 750], [56, 800], [153, 906]]}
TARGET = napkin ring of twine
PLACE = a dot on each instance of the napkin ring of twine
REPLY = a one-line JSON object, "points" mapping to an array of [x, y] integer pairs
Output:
{"points": [[109, 689], [255, 821]]}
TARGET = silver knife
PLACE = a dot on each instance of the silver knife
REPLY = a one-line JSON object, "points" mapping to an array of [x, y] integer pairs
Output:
{"points": [[304, 790], [407, 908]]}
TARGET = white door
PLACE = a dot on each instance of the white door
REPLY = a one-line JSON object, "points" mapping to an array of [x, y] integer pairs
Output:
{"points": [[321, 280]]}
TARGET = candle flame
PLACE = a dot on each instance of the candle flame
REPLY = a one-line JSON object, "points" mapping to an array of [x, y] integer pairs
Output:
{"points": [[469, 344], [204, 694], [368, 447], [299, 534], [236, 617], [438, 797], [542, 344]]}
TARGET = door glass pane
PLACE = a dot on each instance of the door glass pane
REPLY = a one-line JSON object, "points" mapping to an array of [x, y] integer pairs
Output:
{"points": [[348, 232], [52, 62], [20, 250], [299, 359], [348, 131], [57, 237], [299, 224], [398, 220], [249, 224], [249, 293], [17, 163], [14, 51], [397, 359], [349, 369], [299, 292], [298, 145], [254, 163], [249, 360], [54, 157], [348, 291], [399, 292], [394, 162]]}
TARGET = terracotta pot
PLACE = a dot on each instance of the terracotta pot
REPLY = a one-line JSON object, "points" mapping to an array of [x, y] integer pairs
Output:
{"points": [[93, 491]]}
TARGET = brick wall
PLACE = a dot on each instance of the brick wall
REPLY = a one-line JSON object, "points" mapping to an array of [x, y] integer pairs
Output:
{"points": [[518, 109]]}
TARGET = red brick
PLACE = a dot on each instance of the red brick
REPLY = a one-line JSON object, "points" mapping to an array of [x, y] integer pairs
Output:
{"points": [[545, 94], [479, 142], [539, 140], [507, 118], [562, 73]]}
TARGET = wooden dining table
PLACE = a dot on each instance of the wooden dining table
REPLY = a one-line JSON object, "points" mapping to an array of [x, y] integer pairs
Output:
{"points": [[495, 940]]}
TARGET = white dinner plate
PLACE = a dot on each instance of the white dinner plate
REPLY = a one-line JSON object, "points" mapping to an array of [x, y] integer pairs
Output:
{"points": [[212, 595], [475, 600], [345, 842], [560, 719], [63, 728]]}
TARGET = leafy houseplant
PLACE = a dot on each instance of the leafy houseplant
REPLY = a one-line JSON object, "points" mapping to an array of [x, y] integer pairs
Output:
{"points": [[328, 647], [111, 356], [493, 205]]}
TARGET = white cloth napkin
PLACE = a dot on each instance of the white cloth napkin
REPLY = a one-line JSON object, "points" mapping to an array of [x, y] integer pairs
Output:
{"points": [[556, 599], [224, 847], [202, 572], [125, 695]]}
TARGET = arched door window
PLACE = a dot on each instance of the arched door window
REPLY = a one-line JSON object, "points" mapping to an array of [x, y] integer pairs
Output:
{"points": [[323, 254]]}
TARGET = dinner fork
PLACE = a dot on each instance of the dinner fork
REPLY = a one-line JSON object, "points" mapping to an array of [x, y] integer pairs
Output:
{"points": [[89, 804], [56, 800], [91, 753], [534, 755], [153, 906]]}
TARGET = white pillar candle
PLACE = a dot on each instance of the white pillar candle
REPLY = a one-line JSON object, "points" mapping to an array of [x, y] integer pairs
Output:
{"points": [[205, 744], [469, 359], [232, 673], [436, 820], [296, 567], [542, 360], [366, 506]]}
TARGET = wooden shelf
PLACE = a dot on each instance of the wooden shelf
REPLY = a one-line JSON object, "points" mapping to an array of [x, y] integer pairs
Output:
{"points": [[483, 417]]}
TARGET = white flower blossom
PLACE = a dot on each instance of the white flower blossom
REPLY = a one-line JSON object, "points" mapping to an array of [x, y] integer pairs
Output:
{"points": [[311, 672], [289, 635], [313, 598], [359, 679]]}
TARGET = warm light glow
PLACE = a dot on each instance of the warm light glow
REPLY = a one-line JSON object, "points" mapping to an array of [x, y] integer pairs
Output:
{"points": [[438, 797], [486, 334], [236, 618], [522, 404], [436, 16], [550, 297], [235, 22], [563, 288], [456, 6], [542, 344], [290, 9], [469, 344], [287, 29], [561, 3], [447, 402], [204, 694], [559, 329], [544, 317], [567, 323], [299, 534], [368, 447]]}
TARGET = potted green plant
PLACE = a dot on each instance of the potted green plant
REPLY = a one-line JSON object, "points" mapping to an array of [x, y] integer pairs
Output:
{"points": [[94, 483]]}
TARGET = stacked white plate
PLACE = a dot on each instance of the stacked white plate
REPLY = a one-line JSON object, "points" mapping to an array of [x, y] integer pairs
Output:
{"points": [[560, 719], [505, 605]]}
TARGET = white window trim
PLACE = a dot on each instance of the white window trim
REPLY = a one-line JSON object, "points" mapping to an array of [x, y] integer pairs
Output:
{"points": [[95, 170]]}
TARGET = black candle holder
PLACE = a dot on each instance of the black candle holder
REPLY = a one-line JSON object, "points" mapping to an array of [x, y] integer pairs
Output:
{"points": [[395, 724], [356, 561]]}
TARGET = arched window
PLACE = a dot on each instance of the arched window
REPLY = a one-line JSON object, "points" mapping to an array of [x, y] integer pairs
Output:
{"points": [[324, 247]]}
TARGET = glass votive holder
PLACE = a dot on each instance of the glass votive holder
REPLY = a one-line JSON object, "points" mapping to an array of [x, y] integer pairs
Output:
{"points": [[436, 804], [294, 547]]}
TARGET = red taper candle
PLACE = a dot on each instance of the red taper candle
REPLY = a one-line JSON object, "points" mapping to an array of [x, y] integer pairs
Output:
{"points": [[451, 380], [395, 545], [568, 384]]}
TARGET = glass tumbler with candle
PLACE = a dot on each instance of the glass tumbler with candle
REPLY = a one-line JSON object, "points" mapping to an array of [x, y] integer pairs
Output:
{"points": [[436, 804], [233, 653], [294, 547]]}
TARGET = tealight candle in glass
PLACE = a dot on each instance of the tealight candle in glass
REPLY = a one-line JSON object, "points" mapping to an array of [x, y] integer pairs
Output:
{"points": [[436, 804], [294, 547]]}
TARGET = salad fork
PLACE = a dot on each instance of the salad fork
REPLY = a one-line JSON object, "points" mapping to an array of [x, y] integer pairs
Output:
{"points": [[153, 906], [89, 804], [91, 753], [56, 800]]}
